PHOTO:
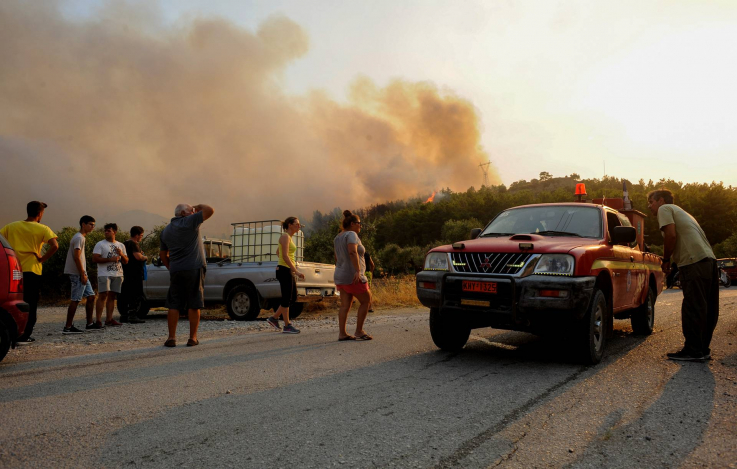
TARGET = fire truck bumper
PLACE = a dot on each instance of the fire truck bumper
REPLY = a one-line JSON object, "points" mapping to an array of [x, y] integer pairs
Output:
{"points": [[531, 300]]}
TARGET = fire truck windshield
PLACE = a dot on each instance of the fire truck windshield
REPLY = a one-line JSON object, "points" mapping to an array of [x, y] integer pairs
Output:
{"points": [[563, 220]]}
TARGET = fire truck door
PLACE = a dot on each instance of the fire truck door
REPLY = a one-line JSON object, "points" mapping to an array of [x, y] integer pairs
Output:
{"points": [[637, 274], [620, 268]]}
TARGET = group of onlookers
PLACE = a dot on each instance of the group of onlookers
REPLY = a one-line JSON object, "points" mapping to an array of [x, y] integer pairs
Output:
{"points": [[120, 271]]}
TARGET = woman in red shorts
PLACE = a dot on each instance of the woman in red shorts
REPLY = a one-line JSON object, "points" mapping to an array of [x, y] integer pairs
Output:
{"points": [[350, 276]]}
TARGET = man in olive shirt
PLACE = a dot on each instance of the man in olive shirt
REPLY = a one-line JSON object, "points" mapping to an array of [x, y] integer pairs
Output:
{"points": [[686, 246]]}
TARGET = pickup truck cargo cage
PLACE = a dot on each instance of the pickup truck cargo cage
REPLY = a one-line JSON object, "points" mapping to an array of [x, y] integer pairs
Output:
{"points": [[257, 241]]}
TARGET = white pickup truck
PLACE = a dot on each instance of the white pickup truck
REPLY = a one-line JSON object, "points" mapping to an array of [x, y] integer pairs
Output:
{"points": [[241, 273]]}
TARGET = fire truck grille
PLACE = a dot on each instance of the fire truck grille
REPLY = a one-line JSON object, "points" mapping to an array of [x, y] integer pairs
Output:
{"points": [[508, 263]]}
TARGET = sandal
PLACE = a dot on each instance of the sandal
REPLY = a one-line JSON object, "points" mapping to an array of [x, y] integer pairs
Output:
{"points": [[192, 342], [348, 337], [170, 343], [364, 337]]}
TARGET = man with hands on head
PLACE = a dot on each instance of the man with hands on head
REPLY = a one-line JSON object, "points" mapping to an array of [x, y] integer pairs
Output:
{"points": [[183, 253], [109, 254], [685, 245]]}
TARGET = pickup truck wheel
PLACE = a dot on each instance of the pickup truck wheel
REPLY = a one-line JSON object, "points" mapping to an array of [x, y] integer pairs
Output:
{"points": [[591, 334], [242, 303], [643, 317], [449, 334], [4, 341], [295, 310], [143, 308]]}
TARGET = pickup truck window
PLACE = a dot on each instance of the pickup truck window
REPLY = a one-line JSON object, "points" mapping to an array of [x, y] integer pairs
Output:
{"points": [[581, 221]]}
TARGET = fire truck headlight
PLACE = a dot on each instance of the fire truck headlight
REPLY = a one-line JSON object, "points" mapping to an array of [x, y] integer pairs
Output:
{"points": [[555, 264], [436, 261]]}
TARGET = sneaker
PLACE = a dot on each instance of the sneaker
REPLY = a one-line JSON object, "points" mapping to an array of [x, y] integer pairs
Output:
{"points": [[371, 310], [686, 356], [94, 327], [290, 329], [27, 341], [136, 321], [274, 323], [112, 323], [72, 330]]}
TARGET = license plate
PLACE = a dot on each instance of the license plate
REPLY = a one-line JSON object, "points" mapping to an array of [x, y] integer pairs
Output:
{"points": [[480, 287], [313, 291]]}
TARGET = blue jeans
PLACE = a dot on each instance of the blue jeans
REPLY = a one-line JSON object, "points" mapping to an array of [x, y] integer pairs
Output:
{"points": [[79, 289]]}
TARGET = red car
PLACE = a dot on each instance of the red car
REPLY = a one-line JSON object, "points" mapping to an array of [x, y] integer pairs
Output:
{"points": [[13, 310]]}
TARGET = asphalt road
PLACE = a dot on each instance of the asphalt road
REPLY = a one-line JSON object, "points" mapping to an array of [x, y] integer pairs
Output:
{"points": [[254, 398]]}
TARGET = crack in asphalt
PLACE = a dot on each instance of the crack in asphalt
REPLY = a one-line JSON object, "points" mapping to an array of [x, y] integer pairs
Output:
{"points": [[469, 446]]}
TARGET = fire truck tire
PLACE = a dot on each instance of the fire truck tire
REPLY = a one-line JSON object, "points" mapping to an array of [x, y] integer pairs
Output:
{"points": [[243, 303], [643, 317], [295, 310], [449, 334], [4, 340], [590, 338]]}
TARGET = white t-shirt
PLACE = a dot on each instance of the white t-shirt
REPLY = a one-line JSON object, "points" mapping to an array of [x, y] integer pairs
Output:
{"points": [[106, 250]]}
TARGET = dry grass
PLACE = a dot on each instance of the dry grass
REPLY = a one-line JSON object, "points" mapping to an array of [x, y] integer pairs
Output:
{"points": [[389, 292]]}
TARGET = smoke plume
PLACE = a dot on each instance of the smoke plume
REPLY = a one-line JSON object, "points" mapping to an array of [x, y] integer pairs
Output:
{"points": [[121, 112]]}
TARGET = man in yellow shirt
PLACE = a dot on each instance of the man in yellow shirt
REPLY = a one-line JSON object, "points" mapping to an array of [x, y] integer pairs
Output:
{"points": [[27, 238], [685, 245]]}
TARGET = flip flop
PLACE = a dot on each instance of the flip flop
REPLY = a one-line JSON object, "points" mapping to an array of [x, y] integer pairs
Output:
{"points": [[348, 337], [364, 337], [170, 343], [192, 342]]}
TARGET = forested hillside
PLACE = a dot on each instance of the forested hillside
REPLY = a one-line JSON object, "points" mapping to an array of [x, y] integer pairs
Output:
{"points": [[398, 234]]}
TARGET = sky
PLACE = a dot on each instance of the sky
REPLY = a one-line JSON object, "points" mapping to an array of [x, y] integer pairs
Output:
{"points": [[274, 108]]}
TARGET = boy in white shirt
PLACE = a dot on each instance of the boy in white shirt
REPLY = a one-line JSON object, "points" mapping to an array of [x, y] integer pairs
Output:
{"points": [[109, 254]]}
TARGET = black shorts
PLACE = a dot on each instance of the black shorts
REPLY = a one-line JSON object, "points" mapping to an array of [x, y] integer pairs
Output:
{"points": [[288, 286], [186, 290]]}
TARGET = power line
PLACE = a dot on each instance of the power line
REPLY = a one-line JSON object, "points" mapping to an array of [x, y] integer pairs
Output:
{"points": [[485, 169]]}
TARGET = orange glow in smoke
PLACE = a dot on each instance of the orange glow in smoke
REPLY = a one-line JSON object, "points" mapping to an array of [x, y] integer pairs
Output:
{"points": [[431, 198]]}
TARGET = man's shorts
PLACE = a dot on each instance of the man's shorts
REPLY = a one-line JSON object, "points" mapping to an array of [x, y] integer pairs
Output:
{"points": [[80, 290], [186, 290], [113, 284]]}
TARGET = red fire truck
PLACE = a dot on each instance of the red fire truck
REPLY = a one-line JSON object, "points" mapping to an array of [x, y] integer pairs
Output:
{"points": [[564, 267]]}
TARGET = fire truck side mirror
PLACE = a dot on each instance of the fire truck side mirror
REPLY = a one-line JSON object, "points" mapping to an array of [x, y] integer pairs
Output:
{"points": [[624, 234], [475, 233]]}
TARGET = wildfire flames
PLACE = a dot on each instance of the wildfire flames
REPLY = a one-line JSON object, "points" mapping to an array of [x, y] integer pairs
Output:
{"points": [[431, 198]]}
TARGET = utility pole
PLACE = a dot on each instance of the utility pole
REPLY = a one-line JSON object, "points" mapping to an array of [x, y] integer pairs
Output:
{"points": [[485, 169]]}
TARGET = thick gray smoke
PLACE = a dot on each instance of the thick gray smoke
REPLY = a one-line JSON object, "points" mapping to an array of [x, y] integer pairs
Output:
{"points": [[121, 112]]}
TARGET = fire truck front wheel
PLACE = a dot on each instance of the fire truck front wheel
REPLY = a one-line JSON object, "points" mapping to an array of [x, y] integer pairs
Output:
{"points": [[448, 333], [591, 334]]}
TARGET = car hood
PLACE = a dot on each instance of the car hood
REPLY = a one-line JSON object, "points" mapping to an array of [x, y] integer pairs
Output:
{"points": [[540, 244]]}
